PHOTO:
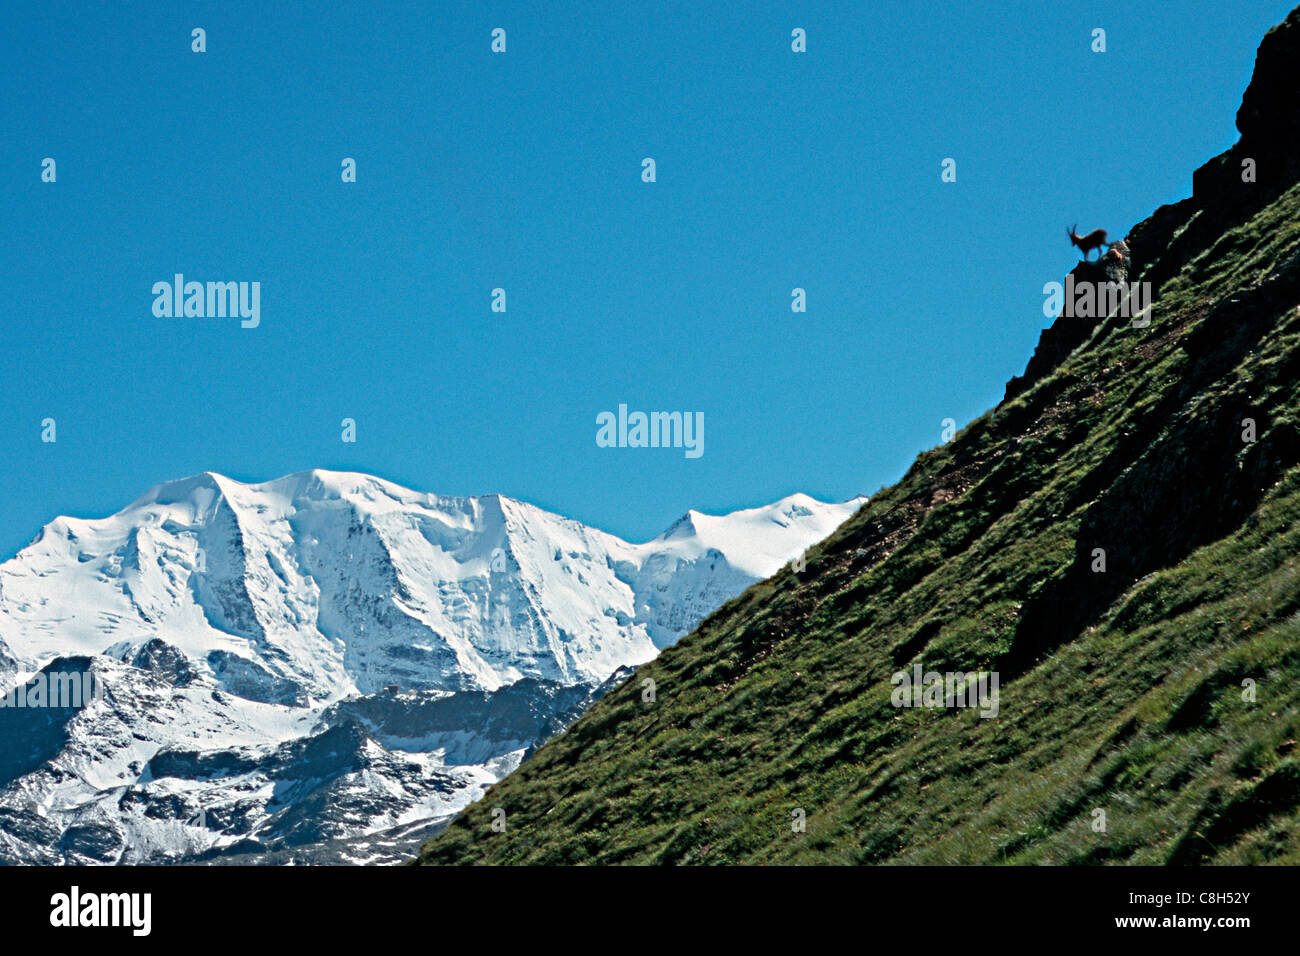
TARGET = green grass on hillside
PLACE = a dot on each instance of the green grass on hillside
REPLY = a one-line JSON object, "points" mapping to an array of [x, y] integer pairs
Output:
{"points": [[1121, 691]]}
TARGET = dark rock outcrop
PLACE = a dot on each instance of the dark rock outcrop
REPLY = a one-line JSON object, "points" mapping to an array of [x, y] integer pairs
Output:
{"points": [[1069, 331]]}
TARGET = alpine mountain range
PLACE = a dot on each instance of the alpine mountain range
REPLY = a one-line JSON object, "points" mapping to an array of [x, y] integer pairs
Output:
{"points": [[328, 667]]}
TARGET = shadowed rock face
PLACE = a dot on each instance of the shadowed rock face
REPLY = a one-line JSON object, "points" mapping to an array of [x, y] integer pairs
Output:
{"points": [[359, 786], [30, 736], [1269, 132], [1223, 195], [165, 662]]}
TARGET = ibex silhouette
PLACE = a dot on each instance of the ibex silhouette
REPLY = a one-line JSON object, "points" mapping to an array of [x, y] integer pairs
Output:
{"points": [[1093, 240]]}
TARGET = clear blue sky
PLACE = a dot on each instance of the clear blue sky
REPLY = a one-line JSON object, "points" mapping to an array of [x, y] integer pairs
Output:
{"points": [[522, 171]]}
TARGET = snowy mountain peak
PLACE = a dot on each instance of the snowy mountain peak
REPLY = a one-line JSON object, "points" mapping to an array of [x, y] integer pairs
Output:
{"points": [[250, 636], [758, 541], [323, 584]]}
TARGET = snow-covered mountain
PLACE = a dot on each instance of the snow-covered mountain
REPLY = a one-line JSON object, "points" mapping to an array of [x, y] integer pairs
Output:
{"points": [[327, 665]]}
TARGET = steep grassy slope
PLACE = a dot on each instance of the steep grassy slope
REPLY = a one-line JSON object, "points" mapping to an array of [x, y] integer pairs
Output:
{"points": [[1121, 690]]}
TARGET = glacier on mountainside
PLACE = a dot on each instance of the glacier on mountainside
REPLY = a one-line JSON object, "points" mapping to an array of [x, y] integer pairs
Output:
{"points": [[325, 666]]}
